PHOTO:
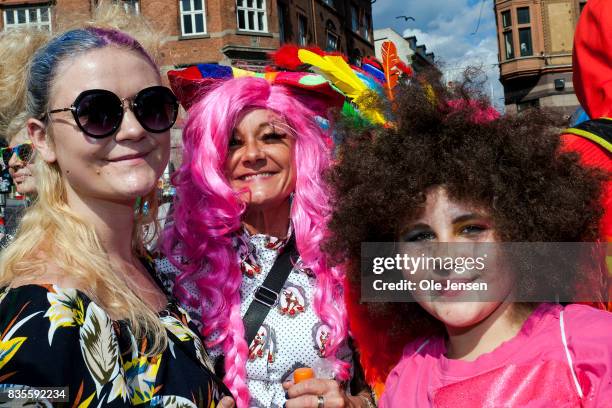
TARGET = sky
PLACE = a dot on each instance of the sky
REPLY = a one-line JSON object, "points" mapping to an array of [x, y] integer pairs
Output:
{"points": [[449, 29]]}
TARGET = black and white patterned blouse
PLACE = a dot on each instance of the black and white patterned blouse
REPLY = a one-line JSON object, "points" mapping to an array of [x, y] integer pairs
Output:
{"points": [[292, 335]]}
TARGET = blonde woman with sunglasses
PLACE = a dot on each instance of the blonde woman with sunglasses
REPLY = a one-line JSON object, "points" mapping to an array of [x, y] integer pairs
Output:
{"points": [[80, 307]]}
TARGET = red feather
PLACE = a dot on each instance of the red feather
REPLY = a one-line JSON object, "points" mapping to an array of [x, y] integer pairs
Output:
{"points": [[287, 57], [372, 61], [406, 69], [317, 50], [390, 60]]}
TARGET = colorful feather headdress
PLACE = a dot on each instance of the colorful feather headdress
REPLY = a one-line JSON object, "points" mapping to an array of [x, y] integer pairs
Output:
{"points": [[365, 87], [359, 91], [192, 83]]}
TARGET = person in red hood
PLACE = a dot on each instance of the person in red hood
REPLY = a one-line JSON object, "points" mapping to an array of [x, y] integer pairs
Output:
{"points": [[593, 85], [592, 64]]}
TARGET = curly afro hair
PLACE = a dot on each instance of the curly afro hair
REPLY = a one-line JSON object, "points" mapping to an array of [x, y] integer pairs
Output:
{"points": [[511, 166]]}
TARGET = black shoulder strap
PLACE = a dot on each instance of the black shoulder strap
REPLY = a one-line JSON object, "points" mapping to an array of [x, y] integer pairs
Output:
{"points": [[266, 296], [596, 130]]}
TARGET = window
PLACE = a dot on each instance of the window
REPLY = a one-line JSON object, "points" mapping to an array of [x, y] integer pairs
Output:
{"points": [[131, 6], [193, 17], [332, 37], [522, 15], [282, 25], [509, 45], [35, 17], [252, 15], [525, 42], [330, 3], [354, 19], [364, 29], [302, 30], [524, 31], [332, 42], [369, 28], [506, 19]]}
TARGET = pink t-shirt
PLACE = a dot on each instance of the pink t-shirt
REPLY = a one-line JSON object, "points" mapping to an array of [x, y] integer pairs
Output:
{"points": [[562, 357]]}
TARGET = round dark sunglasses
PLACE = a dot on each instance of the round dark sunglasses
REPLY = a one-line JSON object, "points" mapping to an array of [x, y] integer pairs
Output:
{"points": [[23, 152], [98, 112]]}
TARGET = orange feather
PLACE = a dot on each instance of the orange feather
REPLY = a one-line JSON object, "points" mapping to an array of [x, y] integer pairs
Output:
{"points": [[390, 61]]}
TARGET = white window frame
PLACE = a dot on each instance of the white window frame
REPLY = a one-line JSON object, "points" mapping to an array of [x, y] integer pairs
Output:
{"points": [[192, 13], [46, 25], [254, 9], [131, 5]]}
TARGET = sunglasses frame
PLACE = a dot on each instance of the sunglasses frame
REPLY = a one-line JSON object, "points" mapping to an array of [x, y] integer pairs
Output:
{"points": [[15, 150], [133, 102]]}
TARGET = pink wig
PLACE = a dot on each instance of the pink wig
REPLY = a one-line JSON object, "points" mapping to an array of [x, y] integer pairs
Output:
{"points": [[208, 212]]}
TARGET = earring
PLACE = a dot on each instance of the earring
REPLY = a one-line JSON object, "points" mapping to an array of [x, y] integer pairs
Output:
{"points": [[137, 204]]}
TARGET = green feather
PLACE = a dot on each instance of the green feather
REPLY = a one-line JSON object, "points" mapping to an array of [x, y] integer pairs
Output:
{"points": [[353, 118]]}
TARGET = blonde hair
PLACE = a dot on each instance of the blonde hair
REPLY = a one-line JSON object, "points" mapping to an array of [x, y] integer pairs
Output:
{"points": [[112, 15], [52, 233], [16, 49], [15, 126]]}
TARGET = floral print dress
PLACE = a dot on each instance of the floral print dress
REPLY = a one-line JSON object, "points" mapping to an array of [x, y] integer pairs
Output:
{"points": [[58, 337]]}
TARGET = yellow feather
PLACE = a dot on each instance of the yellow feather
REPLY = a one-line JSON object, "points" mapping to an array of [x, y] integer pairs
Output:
{"points": [[350, 76], [239, 73], [374, 116], [335, 69], [333, 73]]}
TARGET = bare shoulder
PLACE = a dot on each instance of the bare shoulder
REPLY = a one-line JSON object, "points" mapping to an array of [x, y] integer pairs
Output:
{"points": [[49, 273]]}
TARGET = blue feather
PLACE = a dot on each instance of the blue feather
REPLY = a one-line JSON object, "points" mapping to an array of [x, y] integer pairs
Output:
{"points": [[375, 72], [369, 81], [215, 71]]}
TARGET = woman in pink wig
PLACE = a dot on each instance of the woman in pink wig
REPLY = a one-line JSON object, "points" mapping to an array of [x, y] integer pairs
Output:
{"points": [[250, 188]]}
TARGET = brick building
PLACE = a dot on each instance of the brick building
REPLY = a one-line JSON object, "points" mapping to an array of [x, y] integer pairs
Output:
{"points": [[231, 32], [535, 39], [333, 25]]}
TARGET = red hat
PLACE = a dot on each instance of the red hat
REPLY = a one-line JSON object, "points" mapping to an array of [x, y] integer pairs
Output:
{"points": [[192, 83], [592, 60]]}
